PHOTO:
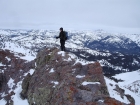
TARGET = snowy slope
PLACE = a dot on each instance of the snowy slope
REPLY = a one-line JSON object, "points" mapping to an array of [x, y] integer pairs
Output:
{"points": [[99, 45], [130, 84], [14, 47], [114, 94], [133, 37], [131, 81], [79, 45]]}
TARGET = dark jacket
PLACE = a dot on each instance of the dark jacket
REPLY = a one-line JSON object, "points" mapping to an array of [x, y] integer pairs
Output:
{"points": [[62, 35]]}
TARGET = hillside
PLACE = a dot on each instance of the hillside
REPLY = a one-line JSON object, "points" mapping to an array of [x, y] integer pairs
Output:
{"points": [[19, 49]]}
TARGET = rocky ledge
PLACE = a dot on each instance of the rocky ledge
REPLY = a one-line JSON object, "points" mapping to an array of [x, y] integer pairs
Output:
{"points": [[60, 80]]}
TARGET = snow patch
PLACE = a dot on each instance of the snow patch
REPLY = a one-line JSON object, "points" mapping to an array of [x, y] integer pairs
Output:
{"points": [[55, 83], [9, 59], [11, 83], [100, 100], [16, 98], [52, 70], [1, 64], [31, 71], [86, 83], [62, 53], [80, 76], [2, 102]]}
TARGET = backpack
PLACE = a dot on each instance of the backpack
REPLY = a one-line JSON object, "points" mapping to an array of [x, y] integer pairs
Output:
{"points": [[66, 35]]}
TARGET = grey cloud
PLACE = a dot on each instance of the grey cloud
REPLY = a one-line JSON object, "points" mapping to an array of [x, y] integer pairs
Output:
{"points": [[79, 14]]}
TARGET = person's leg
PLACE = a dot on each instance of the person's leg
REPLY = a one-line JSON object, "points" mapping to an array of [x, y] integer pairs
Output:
{"points": [[62, 45]]}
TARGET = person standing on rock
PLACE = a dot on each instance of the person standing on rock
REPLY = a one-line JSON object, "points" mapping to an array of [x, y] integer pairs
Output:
{"points": [[62, 37]]}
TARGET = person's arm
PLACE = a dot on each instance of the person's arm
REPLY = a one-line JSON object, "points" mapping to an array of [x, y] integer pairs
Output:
{"points": [[58, 36]]}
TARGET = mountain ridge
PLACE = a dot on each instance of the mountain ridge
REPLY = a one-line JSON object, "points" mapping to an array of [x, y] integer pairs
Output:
{"points": [[25, 44]]}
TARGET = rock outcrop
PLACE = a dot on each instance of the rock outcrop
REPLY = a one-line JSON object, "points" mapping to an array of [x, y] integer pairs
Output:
{"points": [[60, 80], [11, 68]]}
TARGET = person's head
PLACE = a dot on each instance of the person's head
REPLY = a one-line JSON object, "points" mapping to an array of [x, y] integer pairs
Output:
{"points": [[61, 29]]}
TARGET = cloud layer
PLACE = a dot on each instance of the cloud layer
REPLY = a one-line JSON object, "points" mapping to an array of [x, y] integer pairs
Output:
{"points": [[119, 15]]}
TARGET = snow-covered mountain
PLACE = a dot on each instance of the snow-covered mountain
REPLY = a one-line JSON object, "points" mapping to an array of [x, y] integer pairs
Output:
{"points": [[117, 53], [99, 45], [107, 48]]}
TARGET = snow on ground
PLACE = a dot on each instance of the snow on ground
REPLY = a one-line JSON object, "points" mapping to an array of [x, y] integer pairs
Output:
{"points": [[55, 83], [128, 78], [113, 93], [16, 98], [80, 76], [31, 71], [19, 49], [11, 84], [52, 70], [86, 83], [4, 32], [13, 47], [83, 62], [3, 102], [9, 59], [1, 64], [61, 53]]}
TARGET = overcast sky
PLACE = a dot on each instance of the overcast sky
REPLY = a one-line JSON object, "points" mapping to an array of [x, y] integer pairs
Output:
{"points": [[110, 15]]}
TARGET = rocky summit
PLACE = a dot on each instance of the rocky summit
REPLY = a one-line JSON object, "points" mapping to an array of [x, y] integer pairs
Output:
{"points": [[59, 79]]}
